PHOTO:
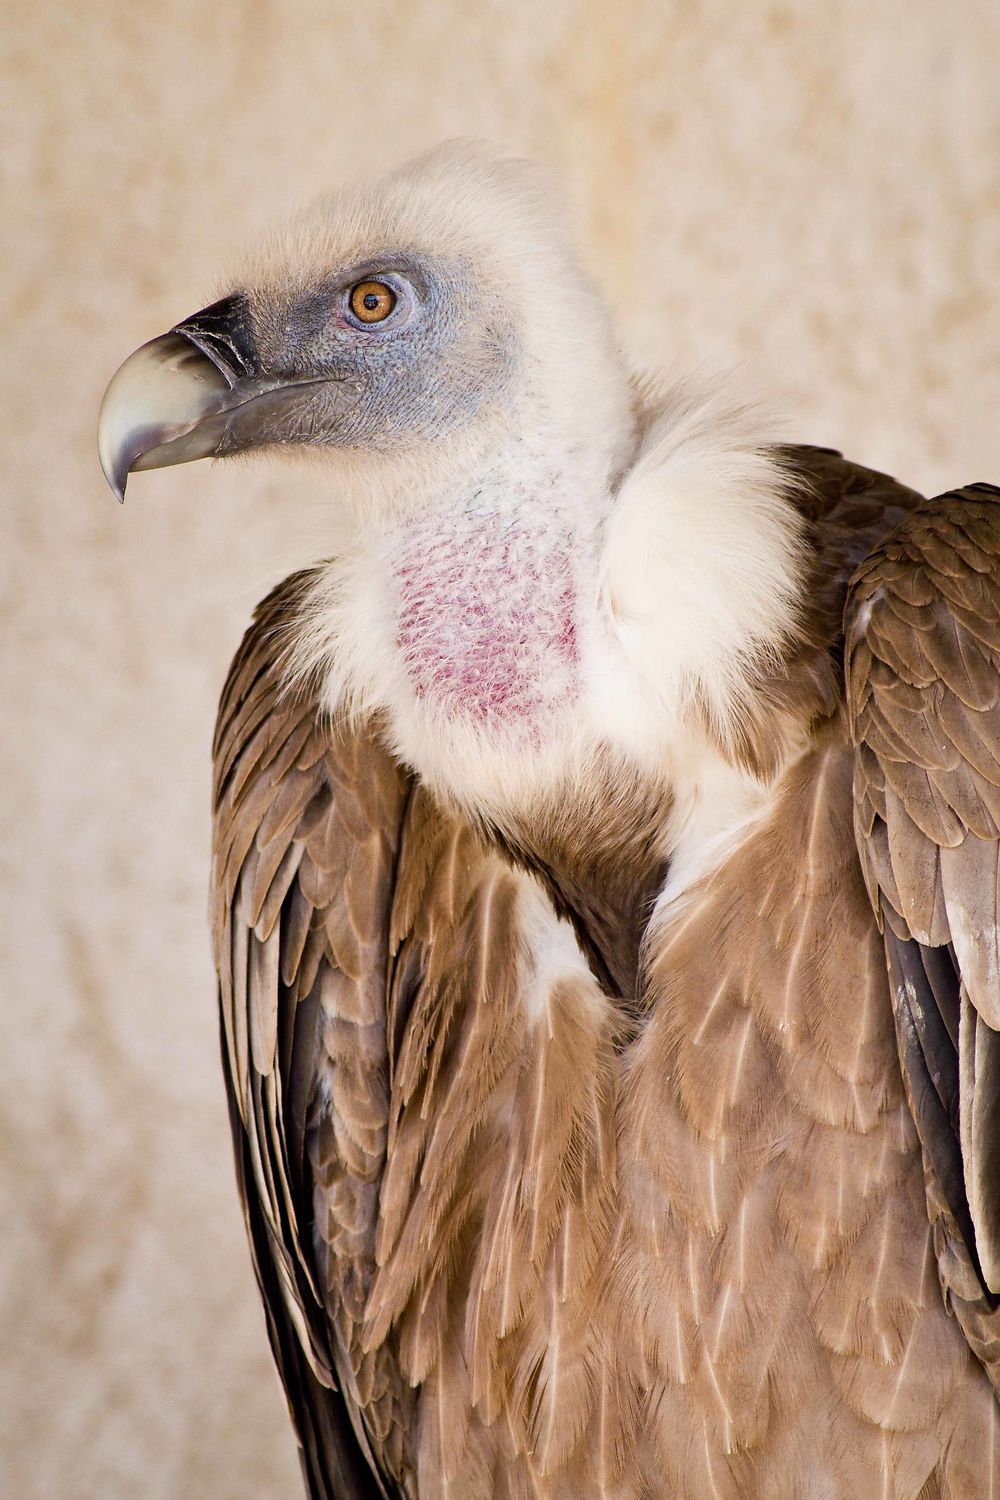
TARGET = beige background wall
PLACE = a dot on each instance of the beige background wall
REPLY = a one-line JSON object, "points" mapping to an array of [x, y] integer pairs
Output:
{"points": [[812, 189]]}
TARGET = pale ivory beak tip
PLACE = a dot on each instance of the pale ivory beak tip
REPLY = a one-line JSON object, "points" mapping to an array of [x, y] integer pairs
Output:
{"points": [[160, 395]]}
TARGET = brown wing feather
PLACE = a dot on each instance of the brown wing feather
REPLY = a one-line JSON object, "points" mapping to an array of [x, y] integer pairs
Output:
{"points": [[306, 831], [923, 676], [420, 1069]]}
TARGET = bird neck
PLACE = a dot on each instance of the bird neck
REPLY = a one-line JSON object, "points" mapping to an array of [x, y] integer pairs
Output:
{"points": [[461, 617], [486, 599]]}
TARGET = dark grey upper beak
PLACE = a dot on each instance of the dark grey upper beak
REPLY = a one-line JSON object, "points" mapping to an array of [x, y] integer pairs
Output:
{"points": [[189, 395]]}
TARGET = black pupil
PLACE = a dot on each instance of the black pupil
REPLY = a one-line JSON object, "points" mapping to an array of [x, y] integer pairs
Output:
{"points": [[371, 300]]}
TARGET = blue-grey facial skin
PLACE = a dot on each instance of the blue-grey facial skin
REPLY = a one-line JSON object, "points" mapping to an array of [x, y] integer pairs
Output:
{"points": [[444, 352]]}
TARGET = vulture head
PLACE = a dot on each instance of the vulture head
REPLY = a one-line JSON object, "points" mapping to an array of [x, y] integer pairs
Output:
{"points": [[420, 323], [526, 568]]}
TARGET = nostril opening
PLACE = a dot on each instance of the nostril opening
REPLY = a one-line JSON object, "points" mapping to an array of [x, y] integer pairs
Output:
{"points": [[223, 334]]}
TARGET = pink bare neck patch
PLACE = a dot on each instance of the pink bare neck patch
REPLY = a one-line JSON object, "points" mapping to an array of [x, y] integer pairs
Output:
{"points": [[486, 616]]}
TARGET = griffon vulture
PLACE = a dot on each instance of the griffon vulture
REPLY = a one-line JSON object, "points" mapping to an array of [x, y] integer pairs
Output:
{"points": [[605, 891]]}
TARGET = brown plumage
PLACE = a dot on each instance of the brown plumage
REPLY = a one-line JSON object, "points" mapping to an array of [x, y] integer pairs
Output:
{"points": [[689, 1256], [613, 1050]]}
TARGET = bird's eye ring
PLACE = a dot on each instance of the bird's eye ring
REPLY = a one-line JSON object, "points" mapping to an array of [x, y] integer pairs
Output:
{"points": [[372, 301]]}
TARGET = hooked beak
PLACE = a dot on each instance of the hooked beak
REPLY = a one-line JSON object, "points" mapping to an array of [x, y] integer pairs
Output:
{"points": [[196, 392]]}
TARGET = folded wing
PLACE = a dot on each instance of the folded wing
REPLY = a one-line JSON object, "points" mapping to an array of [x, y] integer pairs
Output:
{"points": [[923, 682], [307, 825]]}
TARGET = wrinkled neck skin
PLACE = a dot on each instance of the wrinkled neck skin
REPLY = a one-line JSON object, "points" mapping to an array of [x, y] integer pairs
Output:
{"points": [[462, 600]]}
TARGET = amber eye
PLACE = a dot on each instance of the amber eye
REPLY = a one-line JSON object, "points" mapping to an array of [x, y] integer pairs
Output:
{"points": [[372, 301]]}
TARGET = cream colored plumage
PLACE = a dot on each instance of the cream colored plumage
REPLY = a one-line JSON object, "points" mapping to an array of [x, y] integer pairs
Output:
{"points": [[586, 1147]]}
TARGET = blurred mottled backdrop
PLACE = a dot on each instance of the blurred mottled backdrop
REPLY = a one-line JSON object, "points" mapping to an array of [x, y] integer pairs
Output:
{"points": [[811, 191]]}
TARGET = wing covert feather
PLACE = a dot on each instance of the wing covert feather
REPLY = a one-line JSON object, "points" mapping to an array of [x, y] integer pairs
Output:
{"points": [[306, 830], [923, 684]]}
